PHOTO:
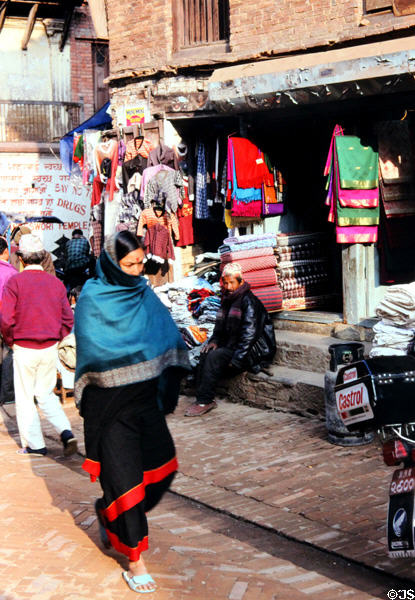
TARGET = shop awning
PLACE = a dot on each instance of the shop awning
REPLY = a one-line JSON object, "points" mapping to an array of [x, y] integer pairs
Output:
{"points": [[311, 78], [100, 120]]}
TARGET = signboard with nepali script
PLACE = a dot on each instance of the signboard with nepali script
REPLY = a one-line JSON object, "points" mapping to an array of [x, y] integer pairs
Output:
{"points": [[36, 185]]}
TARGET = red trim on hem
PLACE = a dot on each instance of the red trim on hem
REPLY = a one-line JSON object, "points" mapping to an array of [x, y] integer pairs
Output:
{"points": [[136, 494], [93, 467], [132, 553]]}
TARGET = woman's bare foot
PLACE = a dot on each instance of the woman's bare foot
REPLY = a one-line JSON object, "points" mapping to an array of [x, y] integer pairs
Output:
{"points": [[139, 568]]}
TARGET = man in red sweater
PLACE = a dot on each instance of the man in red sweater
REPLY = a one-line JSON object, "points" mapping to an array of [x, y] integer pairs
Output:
{"points": [[35, 317]]}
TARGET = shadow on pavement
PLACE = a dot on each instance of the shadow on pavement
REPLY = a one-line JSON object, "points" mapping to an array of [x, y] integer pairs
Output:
{"points": [[68, 485]]}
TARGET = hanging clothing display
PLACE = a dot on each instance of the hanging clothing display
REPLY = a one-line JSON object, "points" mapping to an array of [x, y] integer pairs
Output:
{"points": [[159, 272], [185, 217], [163, 155], [106, 157], [138, 146], [353, 188], [167, 184], [254, 188], [130, 168], [201, 204], [158, 244], [148, 218]]}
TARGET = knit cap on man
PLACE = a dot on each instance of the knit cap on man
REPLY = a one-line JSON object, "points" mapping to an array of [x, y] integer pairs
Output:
{"points": [[30, 243]]}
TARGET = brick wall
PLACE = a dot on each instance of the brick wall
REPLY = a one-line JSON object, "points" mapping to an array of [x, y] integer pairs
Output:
{"points": [[81, 36], [141, 39], [140, 34]]}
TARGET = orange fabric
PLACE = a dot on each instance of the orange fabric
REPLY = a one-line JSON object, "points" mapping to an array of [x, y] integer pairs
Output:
{"points": [[135, 148]]}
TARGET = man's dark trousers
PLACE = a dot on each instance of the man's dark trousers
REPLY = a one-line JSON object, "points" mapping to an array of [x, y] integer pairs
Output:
{"points": [[212, 367]]}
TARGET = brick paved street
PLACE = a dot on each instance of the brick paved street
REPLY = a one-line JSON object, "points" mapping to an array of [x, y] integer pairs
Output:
{"points": [[271, 468]]}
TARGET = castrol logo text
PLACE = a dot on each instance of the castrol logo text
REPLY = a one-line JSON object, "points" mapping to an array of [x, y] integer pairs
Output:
{"points": [[351, 398], [353, 404], [349, 375]]}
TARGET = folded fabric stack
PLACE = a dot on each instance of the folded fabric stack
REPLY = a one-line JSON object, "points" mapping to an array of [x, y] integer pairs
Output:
{"points": [[353, 188], [196, 298], [391, 340], [208, 309], [255, 254], [398, 305], [193, 335], [302, 270], [204, 301], [397, 187], [395, 333]]}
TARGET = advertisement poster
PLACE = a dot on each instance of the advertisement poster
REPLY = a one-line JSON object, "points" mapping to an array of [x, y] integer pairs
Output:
{"points": [[135, 114], [36, 185]]}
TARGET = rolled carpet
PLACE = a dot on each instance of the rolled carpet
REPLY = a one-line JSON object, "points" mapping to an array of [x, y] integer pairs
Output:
{"points": [[270, 296], [255, 264], [237, 256], [257, 279]]}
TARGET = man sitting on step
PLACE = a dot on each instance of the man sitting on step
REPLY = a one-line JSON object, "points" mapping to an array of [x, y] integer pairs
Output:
{"points": [[243, 339]]}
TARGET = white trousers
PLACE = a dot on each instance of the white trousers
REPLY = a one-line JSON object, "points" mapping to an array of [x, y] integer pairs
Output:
{"points": [[35, 377]]}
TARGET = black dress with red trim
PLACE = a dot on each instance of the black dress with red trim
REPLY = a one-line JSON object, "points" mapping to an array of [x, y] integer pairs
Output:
{"points": [[130, 449]]}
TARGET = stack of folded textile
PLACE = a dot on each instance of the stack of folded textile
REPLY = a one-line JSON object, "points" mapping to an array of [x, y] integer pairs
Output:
{"points": [[353, 188], [394, 334], [255, 254], [302, 270]]}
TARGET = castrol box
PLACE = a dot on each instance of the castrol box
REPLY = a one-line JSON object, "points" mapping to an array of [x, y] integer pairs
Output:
{"points": [[377, 391], [401, 513]]}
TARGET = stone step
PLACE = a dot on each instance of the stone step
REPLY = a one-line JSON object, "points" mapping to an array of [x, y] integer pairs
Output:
{"points": [[281, 388], [324, 324], [305, 351]]}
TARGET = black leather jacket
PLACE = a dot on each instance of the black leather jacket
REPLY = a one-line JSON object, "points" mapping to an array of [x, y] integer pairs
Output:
{"points": [[255, 344]]}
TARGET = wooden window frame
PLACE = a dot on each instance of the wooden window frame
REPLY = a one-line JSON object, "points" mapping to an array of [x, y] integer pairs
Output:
{"points": [[197, 25], [373, 7], [400, 8]]}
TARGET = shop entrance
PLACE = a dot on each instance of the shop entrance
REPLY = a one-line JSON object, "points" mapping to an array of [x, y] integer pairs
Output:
{"points": [[297, 141]]}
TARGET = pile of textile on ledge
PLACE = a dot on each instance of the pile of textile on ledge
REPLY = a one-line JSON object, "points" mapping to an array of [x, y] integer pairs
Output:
{"points": [[302, 270], [395, 332], [255, 254], [193, 303]]}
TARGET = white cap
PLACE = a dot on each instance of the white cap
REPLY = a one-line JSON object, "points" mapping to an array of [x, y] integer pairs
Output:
{"points": [[30, 243]]}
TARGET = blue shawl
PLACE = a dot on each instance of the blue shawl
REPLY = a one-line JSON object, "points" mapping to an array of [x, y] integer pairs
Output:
{"points": [[124, 334]]}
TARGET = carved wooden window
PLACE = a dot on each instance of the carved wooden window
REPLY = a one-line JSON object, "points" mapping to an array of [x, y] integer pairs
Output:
{"points": [[198, 22]]}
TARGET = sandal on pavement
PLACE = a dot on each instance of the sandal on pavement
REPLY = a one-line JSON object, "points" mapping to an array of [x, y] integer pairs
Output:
{"points": [[27, 450], [136, 581], [102, 531], [197, 410], [70, 443]]}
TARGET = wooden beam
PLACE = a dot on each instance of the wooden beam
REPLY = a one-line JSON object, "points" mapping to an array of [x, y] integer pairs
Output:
{"points": [[68, 18], [3, 9], [31, 19]]}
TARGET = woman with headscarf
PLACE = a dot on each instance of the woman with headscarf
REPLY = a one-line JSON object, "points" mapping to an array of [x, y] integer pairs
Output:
{"points": [[130, 358]]}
